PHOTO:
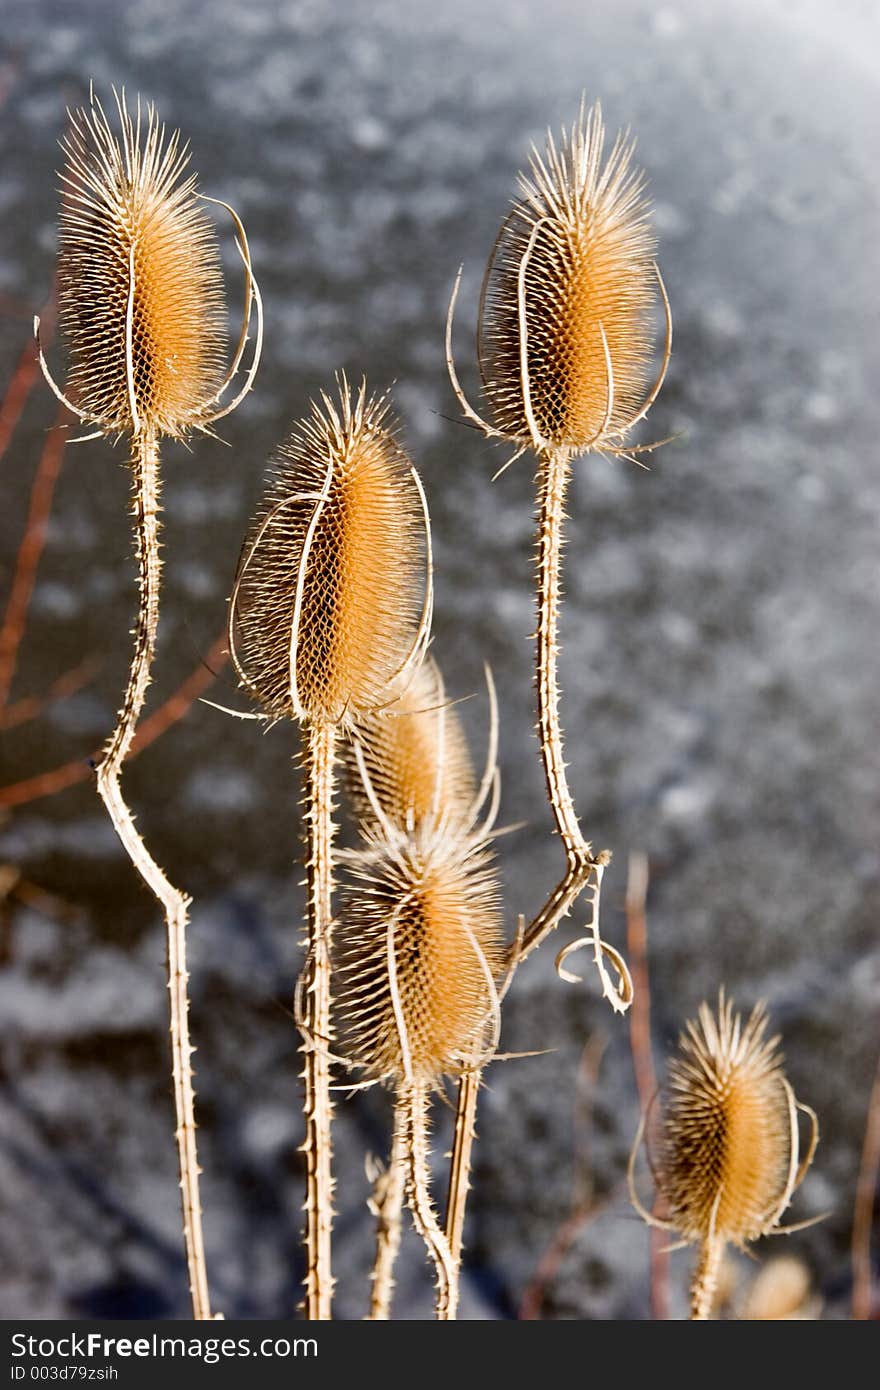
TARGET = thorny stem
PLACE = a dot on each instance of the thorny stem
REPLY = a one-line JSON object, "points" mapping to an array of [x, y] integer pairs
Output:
{"points": [[413, 1101], [386, 1204], [459, 1172], [175, 904], [581, 862], [705, 1281], [316, 1066]]}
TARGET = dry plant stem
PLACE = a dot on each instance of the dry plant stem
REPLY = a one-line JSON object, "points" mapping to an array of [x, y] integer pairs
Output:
{"points": [[145, 477], [388, 1204], [866, 1187], [554, 472], [316, 1067], [413, 1101], [459, 1170], [642, 1055], [705, 1280]]}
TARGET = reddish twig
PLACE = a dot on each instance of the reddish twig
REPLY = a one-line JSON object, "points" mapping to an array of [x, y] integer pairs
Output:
{"points": [[863, 1210], [24, 378], [642, 1054], [584, 1207], [80, 769], [29, 553], [31, 706]]}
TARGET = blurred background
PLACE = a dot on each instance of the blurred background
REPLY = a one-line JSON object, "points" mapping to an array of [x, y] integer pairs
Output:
{"points": [[719, 665]]}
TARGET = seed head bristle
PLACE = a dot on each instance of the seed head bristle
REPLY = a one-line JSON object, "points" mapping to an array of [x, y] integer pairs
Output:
{"points": [[416, 756], [573, 259], [135, 245], [724, 1158], [326, 607], [418, 951]]}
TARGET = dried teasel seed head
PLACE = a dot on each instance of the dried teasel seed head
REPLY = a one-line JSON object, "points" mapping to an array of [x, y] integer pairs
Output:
{"points": [[418, 951], [727, 1161], [331, 601], [565, 332], [138, 265], [416, 756]]}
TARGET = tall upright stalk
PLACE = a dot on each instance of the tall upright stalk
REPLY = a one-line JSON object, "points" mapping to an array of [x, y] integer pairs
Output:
{"points": [[459, 1173], [320, 752], [175, 904]]}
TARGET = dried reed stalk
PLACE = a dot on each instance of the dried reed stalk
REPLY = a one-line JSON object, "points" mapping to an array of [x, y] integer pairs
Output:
{"points": [[728, 1159], [324, 618], [563, 347], [140, 303], [419, 950]]}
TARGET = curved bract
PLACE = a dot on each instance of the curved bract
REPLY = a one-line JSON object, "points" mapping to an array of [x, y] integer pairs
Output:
{"points": [[330, 601]]}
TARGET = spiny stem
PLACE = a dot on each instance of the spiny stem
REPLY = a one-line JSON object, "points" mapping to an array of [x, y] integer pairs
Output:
{"points": [[145, 476], [459, 1172], [554, 472], [413, 1101], [387, 1203], [705, 1280], [316, 1067]]}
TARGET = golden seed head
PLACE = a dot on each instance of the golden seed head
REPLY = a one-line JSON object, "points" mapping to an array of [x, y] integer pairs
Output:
{"points": [[724, 1161], [138, 269], [330, 588], [573, 259], [416, 756], [418, 951]]}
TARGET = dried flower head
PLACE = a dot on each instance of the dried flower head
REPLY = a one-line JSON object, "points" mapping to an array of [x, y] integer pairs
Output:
{"points": [[141, 296], [419, 951], [726, 1154], [419, 940], [416, 756], [727, 1159], [564, 335], [329, 603]]}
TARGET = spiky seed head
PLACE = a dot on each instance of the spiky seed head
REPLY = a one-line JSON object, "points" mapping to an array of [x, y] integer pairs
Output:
{"points": [[331, 585], [136, 249], [418, 951], [573, 258], [416, 756], [723, 1163]]}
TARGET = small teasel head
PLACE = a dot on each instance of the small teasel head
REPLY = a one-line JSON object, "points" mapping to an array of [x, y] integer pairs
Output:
{"points": [[419, 940], [414, 756], [140, 289], [727, 1158], [333, 595], [419, 953], [565, 321]]}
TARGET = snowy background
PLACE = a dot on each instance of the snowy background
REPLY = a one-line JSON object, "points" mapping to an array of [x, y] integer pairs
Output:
{"points": [[720, 665]]}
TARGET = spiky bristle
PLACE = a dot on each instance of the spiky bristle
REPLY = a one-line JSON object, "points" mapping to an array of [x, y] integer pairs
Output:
{"points": [[127, 208], [419, 947], [416, 756], [576, 255], [723, 1162], [331, 583]]}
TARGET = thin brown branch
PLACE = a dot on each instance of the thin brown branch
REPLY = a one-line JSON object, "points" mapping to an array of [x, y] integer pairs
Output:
{"points": [[585, 1207], [29, 552], [169, 713], [863, 1210], [459, 1173], [386, 1204], [642, 1054]]}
